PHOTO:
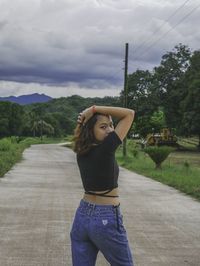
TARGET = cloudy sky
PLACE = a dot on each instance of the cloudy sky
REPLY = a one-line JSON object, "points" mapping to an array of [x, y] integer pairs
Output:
{"points": [[66, 47]]}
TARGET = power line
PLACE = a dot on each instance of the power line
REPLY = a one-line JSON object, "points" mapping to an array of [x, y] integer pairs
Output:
{"points": [[157, 40], [157, 30], [186, 16]]}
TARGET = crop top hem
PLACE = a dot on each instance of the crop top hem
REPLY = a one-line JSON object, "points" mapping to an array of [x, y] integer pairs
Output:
{"points": [[103, 194]]}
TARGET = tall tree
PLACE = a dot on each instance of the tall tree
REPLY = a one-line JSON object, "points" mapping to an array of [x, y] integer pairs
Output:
{"points": [[191, 103], [42, 127], [16, 119], [11, 119], [168, 77], [5, 111], [140, 97]]}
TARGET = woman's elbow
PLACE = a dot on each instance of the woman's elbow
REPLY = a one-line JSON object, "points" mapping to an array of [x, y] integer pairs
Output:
{"points": [[132, 113]]}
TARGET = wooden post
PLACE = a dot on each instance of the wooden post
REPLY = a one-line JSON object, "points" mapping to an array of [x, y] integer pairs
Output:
{"points": [[125, 91]]}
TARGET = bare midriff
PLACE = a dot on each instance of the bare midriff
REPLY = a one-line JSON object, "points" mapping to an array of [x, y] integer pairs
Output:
{"points": [[103, 200]]}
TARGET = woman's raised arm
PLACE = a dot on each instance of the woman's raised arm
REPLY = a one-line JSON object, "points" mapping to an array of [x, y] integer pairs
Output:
{"points": [[124, 115]]}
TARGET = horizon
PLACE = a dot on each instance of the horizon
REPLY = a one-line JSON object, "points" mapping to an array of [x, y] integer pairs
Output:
{"points": [[41, 94]]}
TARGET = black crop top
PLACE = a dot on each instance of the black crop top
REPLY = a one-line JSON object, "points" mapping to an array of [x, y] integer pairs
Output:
{"points": [[98, 168]]}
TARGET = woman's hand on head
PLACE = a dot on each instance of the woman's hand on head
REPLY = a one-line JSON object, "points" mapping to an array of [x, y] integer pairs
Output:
{"points": [[85, 115]]}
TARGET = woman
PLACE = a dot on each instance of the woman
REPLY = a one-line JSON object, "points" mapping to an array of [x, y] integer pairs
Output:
{"points": [[98, 221]]}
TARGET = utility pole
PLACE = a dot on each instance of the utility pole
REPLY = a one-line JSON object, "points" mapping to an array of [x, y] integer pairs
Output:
{"points": [[125, 91]]}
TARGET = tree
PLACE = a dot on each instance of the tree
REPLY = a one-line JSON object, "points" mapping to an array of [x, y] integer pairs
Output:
{"points": [[157, 121], [190, 105], [16, 119], [4, 127], [5, 110], [42, 127], [140, 98], [168, 76], [11, 119]]}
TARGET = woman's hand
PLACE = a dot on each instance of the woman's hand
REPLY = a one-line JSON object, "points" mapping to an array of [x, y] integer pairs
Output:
{"points": [[85, 115]]}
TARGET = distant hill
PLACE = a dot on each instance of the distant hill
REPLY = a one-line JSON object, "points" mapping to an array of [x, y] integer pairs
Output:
{"points": [[27, 99]]}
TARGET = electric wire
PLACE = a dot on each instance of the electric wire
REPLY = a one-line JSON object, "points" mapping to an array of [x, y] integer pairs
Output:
{"points": [[161, 37], [165, 22], [178, 23]]}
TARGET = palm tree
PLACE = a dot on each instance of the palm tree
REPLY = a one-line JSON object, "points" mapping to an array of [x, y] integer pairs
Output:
{"points": [[42, 126]]}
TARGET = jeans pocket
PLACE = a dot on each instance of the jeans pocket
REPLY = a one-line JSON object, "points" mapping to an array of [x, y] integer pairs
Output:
{"points": [[105, 226]]}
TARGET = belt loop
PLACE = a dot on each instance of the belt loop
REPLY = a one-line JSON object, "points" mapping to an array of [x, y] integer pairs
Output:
{"points": [[91, 208], [117, 217]]}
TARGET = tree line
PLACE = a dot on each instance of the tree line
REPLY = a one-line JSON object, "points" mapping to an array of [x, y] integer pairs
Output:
{"points": [[167, 96], [55, 118]]}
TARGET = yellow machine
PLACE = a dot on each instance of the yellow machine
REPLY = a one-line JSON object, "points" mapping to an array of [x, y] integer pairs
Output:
{"points": [[165, 137]]}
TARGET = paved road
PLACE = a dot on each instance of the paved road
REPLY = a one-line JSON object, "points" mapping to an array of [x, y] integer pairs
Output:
{"points": [[38, 198]]}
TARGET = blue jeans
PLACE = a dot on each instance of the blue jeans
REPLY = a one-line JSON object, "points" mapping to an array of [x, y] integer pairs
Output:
{"points": [[99, 228]]}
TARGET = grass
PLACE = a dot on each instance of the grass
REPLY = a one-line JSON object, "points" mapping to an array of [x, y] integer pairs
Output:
{"points": [[189, 143], [180, 170]]}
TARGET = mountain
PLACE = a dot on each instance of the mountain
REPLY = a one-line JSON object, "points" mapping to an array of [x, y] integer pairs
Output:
{"points": [[27, 99]]}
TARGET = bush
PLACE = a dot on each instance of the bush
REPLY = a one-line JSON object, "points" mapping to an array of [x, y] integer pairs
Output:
{"points": [[133, 149], [13, 139], [158, 154], [5, 145]]}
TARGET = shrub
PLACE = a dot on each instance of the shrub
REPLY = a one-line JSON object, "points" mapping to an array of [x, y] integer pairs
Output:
{"points": [[158, 154], [186, 164], [13, 139], [133, 149], [5, 145]]}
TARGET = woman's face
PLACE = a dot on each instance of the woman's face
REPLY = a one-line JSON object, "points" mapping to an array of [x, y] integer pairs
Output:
{"points": [[103, 127]]}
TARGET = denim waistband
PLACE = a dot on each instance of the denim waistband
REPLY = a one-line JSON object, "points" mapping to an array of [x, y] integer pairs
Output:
{"points": [[97, 209]]}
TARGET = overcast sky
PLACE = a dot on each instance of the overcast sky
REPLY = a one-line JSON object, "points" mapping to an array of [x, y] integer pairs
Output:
{"points": [[66, 47]]}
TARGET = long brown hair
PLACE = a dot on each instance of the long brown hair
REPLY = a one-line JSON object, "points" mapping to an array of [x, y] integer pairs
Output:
{"points": [[84, 137]]}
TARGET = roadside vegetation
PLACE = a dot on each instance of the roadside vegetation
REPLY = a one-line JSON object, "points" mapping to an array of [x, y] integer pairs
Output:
{"points": [[180, 170]]}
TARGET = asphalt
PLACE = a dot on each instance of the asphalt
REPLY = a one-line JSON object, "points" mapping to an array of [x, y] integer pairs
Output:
{"points": [[38, 198]]}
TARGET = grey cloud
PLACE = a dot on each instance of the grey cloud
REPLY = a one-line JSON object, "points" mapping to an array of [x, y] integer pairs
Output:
{"points": [[57, 42], [3, 24]]}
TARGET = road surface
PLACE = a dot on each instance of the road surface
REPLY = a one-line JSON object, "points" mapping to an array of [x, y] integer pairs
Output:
{"points": [[38, 198]]}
